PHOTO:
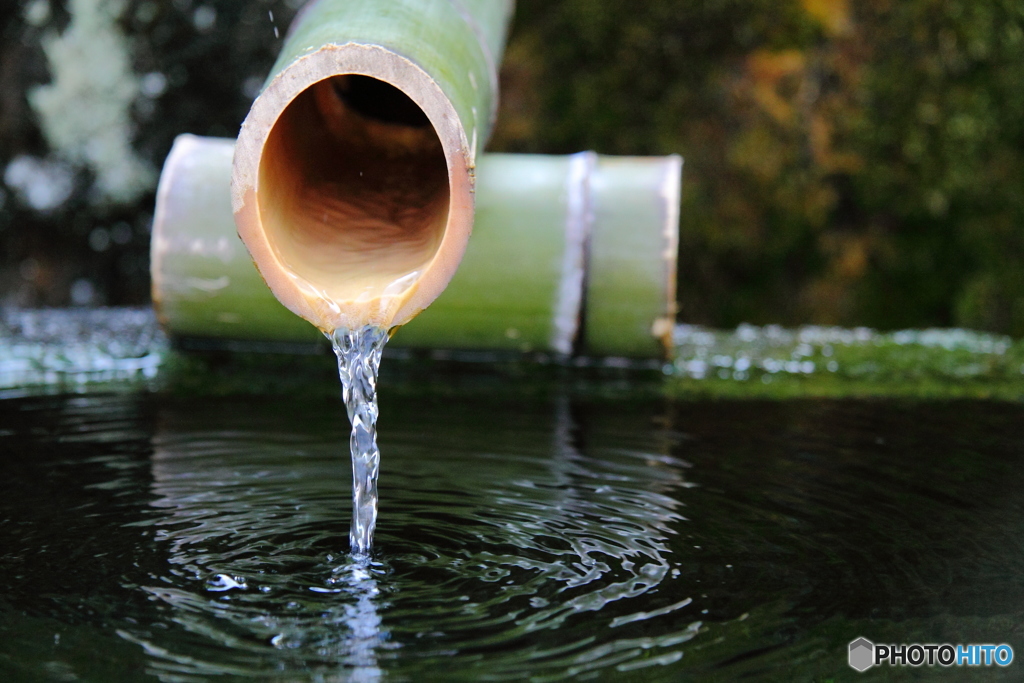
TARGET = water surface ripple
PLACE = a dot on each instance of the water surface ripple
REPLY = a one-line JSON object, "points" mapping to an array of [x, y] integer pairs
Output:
{"points": [[155, 538], [487, 538]]}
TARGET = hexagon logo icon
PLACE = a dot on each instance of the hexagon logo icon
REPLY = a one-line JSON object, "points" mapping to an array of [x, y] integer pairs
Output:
{"points": [[862, 654]]}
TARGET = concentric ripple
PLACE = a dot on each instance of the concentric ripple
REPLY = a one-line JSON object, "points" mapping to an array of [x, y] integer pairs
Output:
{"points": [[508, 548], [153, 538]]}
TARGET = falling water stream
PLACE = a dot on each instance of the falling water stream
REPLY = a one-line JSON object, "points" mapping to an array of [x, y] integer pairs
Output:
{"points": [[359, 355]]}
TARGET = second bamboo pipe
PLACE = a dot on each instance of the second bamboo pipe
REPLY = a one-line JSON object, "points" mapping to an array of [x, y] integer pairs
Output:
{"points": [[571, 254]]}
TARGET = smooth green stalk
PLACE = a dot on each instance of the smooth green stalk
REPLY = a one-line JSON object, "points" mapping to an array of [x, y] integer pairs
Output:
{"points": [[204, 281], [458, 42], [630, 298], [504, 294]]}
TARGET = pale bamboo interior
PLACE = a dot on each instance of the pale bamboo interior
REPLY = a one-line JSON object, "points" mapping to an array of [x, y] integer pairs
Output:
{"points": [[353, 189]]}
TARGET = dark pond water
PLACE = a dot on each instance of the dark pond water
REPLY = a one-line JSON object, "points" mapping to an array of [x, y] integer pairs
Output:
{"points": [[144, 537]]}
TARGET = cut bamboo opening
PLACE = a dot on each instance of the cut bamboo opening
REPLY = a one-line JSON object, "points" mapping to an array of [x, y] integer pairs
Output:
{"points": [[352, 201], [357, 217]]}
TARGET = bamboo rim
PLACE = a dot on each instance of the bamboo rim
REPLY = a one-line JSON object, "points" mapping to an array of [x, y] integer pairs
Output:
{"points": [[308, 291]]}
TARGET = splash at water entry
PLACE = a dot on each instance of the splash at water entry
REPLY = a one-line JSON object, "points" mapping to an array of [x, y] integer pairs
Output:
{"points": [[359, 353]]}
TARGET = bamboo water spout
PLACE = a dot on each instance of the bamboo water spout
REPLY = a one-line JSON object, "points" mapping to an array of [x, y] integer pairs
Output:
{"points": [[354, 171]]}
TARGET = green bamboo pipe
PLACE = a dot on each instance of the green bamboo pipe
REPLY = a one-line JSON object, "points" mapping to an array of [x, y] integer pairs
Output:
{"points": [[353, 175], [570, 254]]}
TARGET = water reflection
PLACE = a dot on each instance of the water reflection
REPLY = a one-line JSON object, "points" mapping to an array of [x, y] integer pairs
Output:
{"points": [[257, 566], [349, 632], [500, 532], [536, 539]]}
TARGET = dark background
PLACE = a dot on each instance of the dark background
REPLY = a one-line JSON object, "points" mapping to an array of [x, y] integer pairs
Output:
{"points": [[856, 163]]}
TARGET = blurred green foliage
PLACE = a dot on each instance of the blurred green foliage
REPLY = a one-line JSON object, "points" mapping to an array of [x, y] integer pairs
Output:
{"points": [[846, 163]]}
